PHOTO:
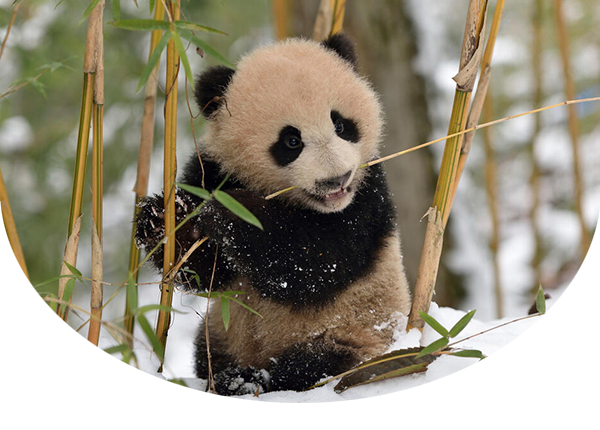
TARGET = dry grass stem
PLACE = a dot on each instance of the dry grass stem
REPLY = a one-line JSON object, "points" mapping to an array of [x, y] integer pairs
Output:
{"points": [[563, 42]]}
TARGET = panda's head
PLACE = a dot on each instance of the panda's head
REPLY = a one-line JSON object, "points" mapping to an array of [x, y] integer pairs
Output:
{"points": [[295, 113]]}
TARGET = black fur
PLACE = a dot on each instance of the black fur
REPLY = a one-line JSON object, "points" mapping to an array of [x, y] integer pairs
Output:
{"points": [[281, 152], [210, 88], [344, 47], [349, 129]]}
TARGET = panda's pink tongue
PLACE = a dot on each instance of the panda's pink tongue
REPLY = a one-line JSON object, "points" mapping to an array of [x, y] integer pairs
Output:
{"points": [[338, 194]]}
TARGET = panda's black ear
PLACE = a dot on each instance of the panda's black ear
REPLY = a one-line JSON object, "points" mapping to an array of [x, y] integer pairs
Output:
{"points": [[210, 88], [342, 45]]}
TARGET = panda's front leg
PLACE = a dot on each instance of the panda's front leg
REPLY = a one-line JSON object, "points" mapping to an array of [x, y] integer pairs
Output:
{"points": [[150, 225]]}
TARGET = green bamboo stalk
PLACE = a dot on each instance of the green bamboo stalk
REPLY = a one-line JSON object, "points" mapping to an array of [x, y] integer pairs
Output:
{"points": [[143, 167], [563, 42], [440, 210], [97, 189], [170, 168], [85, 119]]}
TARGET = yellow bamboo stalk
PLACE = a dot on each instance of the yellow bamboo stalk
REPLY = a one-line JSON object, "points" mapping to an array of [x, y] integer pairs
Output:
{"points": [[170, 168], [438, 213], [97, 188], [90, 64], [281, 15], [144, 159], [337, 20], [491, 188], [20, 267], [563, 42], [330, 18]]}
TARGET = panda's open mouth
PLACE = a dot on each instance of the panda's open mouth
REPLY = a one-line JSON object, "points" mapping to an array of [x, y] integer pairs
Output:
{"points": [[337, 195], [332, 196]]}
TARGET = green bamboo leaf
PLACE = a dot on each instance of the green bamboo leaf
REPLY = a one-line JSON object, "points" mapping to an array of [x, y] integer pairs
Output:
{"points": [[154, 341], [461, 324], [147, 308], [23, 389], [574, 305], [153, 60], [245, 306], [559, 332], [169, 384], [225, 312], [49, 385], [197, 191], [115, 8], [540, 301], [142, 24], [433, 347], [434, 324], [48, 281], [187, 25], [237, 208], [68, 291], [471, 376], [232, 293], [184, 59], [117, 348], [470, 353], [74, 271], [152, 3], [578, 341], [205, 47], [132, 294], [87, 12]]}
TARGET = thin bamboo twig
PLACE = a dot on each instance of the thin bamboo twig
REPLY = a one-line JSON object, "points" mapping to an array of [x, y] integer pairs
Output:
{"points": [[491, 188], [97, 187], [170, 168], [10, 25], [440, 210], [536, 66], [90, 64], [144, 158], [20, 267], [570, 92]]}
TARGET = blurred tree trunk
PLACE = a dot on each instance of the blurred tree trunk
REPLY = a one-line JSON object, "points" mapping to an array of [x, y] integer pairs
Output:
{"points": [[387, 47]]}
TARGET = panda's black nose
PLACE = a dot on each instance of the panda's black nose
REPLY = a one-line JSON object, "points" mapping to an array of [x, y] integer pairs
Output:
{"points": [[335, 182]]}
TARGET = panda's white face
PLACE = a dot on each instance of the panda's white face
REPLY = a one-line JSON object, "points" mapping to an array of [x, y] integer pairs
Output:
{"points": [[297, 114]]}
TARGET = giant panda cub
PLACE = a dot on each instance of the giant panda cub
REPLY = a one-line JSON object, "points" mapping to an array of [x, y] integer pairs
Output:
{"points": [[326, 273]]}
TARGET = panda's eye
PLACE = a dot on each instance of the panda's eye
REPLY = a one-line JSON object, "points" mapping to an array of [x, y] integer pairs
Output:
{"points": [[292, 142], [345, 128], [339, 127]]}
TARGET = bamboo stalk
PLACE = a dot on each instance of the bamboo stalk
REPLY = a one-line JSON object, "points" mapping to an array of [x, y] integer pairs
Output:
{"points": [[20, 267], [97, 188], [144, 159], [330, 18], [10, 25], [570, 92], [90, 64], [281, 15], [337, 20], [465, 81], [170, 168], [491, 188]]}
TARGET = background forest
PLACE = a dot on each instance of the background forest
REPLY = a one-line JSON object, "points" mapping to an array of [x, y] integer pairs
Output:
{"points": [[409, 49]]}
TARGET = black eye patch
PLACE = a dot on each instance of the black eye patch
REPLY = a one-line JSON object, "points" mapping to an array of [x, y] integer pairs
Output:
{"points": [[345, 127], [288, 147]]}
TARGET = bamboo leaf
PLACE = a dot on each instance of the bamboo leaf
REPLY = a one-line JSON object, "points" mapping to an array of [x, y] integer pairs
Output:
{"points": [[470, 353], [578, 341], [152, 3], [89, 10], [237, 208], [471, 376], [48, 281], [23, 389], [74, 271], [132, 294], [245, 306], [197, 191], [434, 324], [68, 292], [232, 293], [187, 25], [142, 24], [154, 341], [117, 348], [49, 385], [433, 347], [153, 60], [109, 378], [559, 332], [540, 301], [204, 46], [147, 308], [574, 305], [184, 59], [115, 8], [225, 311], [461, 324]]}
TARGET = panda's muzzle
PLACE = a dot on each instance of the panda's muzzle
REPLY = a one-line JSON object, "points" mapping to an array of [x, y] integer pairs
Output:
{"points": [[335, 187]]}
